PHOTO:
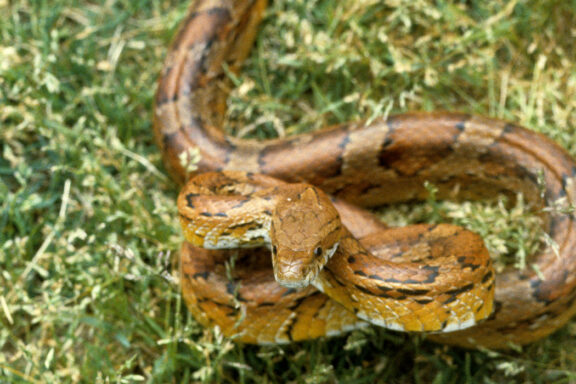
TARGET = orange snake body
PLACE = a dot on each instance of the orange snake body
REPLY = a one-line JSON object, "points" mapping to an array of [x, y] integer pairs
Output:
{"points": [[386, 161]]}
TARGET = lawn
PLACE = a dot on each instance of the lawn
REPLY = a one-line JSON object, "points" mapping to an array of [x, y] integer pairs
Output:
{"points": [[88, 226]]}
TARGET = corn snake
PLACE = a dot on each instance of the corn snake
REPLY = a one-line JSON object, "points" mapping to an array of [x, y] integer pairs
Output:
{"points": [[384, 162]]}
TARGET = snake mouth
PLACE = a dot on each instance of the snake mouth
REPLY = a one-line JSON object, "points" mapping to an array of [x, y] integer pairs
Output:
{"points": [[300, 280], [293, 283]]}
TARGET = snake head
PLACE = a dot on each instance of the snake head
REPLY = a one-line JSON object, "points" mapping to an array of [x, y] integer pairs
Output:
{"points": [[304, 233]]}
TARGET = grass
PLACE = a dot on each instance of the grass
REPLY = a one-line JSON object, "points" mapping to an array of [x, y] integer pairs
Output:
{"points": [[87, 221]]}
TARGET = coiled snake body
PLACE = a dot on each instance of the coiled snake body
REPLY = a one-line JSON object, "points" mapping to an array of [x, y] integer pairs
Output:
{"points": [[420, 278]]}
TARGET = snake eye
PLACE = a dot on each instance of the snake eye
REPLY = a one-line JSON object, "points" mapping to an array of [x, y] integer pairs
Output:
{"points": [[274, 249], [318, 251]]}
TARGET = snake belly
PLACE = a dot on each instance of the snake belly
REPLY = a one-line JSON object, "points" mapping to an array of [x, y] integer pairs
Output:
{"points": [[386, 161]]}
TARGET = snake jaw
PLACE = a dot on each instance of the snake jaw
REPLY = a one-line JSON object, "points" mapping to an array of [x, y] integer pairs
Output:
{"points": [[293, 284]]}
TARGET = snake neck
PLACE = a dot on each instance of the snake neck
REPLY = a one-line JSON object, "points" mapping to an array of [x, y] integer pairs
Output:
{"points": [[431, 268]]}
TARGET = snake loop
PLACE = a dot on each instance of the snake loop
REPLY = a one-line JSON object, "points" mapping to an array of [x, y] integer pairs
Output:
{"points": [[310, 245], [384, 162]]}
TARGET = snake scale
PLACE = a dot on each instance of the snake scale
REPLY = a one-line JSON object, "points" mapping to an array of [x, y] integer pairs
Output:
{"points": [[430, 278]]}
